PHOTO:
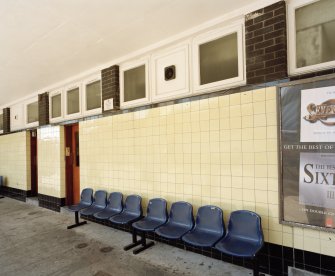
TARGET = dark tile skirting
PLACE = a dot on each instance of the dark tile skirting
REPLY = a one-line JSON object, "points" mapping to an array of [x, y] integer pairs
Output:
{"points": [[50, 202], [273, 259], [14, 193]]}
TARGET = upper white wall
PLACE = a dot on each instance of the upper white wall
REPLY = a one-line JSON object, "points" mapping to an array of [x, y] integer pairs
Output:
{"points": [[46, 42]]}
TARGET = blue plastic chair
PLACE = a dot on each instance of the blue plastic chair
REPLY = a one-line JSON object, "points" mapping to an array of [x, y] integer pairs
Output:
{"points": [[132, 211], [209, 227], [114, 207], [156, 216], [86, 200], [99, 203], [244, 237], [180, 221]]}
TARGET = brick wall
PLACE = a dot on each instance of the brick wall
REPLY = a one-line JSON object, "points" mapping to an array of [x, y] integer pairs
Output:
{"points": [[43, 109], [266, 44], [6, 120], [110, 86]]}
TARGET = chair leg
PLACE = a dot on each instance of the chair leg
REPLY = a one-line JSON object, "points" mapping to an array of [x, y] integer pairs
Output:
{"points": [[134, 243], [256, 266], [144, 244], [77, 223], [1, 197]]}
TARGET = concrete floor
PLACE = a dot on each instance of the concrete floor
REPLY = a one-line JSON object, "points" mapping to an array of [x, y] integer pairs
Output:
{"points": [[34, 241]]}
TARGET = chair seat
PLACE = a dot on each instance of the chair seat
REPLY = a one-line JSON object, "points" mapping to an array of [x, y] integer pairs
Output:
{"points": [[147, 224], [106, 213], [202, 238], [78, 207], [172, 231], [92, 210], [238, 247], [124, 218]]}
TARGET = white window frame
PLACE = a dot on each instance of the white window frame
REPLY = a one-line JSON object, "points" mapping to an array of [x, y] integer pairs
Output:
{"points": [[237, 27], [1, 113], [60, 118], [65, 91], [130, 65], [185, 47], [291, 30], [30, 101], [86, 82]]}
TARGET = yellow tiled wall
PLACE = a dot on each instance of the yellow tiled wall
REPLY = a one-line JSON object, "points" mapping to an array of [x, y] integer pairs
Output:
{"points": [[220, 151], [51, 161], [15, 160]]}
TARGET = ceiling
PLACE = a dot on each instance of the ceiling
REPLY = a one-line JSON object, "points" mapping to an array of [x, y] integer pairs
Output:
{"points": [[46, 41]]}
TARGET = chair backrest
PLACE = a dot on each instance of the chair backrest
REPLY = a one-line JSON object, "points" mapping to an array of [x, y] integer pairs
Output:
{"points": [[157, 209], [181, 213], [133, 205], [115, 201], [210, 218], [100, 198], [246, 225], [86, 196]]}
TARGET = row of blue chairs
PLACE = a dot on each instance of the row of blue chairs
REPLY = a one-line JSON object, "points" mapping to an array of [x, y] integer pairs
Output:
{"points": [[243, 238]]}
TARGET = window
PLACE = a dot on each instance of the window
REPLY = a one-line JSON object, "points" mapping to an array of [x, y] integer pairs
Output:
{"points": [[218, 59], [311, 35], [1, 123], [73, 101], [134, 84], [92, 96], [32, 113], [56, 106]]}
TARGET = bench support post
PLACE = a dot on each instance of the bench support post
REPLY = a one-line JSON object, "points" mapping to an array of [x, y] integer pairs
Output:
{"points": [[77, 223], [255, 266], [142, 242]]}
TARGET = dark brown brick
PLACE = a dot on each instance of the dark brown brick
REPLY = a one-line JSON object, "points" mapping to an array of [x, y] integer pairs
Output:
{"points": [[254, 40], [43, 109], [110, 87], [265, 57], [264, 30], [264, 44], [265, 71], [274, 48], [254, 27], [275, 6], [275, 62], [6, 120], [256, 66], [256, 80], [263, 17]]}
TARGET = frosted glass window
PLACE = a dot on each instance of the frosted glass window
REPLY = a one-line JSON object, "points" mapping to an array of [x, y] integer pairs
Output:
{"points": [[93, 95], [1, 122], [32, 112], [315, 28], [219, 59], [134, 84], [73, 101], [56, 106]]}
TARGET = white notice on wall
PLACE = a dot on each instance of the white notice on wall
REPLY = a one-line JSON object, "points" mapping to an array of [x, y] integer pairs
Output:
{"points": [[317, 121], [108, 104], [317, 179]]}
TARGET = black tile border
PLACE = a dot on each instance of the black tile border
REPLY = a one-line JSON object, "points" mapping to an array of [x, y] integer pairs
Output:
{"points": [[50, 202], [273, 259], [14, 193]]}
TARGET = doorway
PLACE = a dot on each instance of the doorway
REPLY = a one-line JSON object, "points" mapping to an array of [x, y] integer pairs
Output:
{"points": [[33, 162], [72, 160]]}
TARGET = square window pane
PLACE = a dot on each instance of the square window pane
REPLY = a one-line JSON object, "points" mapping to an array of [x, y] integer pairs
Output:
{"points": [[315, 28], [134, 83], [1, 122], [73, 101], [56, 106], [32, 112], [93, 95], [219, 59]]}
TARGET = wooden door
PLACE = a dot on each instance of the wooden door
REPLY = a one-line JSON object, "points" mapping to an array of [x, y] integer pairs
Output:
{"points": [[75, 164], [33, 162], [72, 160]]}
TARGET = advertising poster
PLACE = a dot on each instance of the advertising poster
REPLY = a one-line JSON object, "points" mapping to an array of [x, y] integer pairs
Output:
{"points": [[307, 144], [318, 115]]}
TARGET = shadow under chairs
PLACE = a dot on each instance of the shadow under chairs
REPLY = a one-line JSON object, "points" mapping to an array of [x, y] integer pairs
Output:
{"points": [[179, 223], [99, 204], [209, 227], [114, 207], [156, 217], [244, 237], [131, 212], [86, 200]]}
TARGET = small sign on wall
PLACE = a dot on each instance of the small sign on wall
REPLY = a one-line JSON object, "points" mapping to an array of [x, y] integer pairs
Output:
{"points": [[108, 104]]}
